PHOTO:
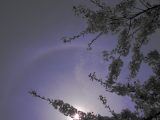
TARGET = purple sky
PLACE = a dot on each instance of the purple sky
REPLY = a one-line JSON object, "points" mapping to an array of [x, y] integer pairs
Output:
{"points": [[34, 57]]}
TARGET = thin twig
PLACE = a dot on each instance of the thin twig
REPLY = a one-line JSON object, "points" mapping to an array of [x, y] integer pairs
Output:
{"points": [[93, 40], [143, 3], [82, 33], [130, 23], [138, 8], [98, 4], [146, 10]]}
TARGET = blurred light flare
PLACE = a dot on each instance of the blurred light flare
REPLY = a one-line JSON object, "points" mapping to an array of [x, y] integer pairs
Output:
{"points": [[76, 117]]}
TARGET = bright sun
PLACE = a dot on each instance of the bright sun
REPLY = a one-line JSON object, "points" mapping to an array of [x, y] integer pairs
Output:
{"points": [[76, 117]]}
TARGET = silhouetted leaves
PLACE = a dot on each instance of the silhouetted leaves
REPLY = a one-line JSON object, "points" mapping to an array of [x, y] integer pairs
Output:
{"points": [[133, 21]]}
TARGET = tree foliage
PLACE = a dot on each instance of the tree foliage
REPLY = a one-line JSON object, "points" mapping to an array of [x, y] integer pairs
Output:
{"points": [[133, 21]]}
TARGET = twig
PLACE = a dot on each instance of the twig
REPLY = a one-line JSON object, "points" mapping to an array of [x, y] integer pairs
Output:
{"points": [[97, 3], [130, 23], [146, 10], [143, 3], [138, 8], [93, 40], [82, 33]]}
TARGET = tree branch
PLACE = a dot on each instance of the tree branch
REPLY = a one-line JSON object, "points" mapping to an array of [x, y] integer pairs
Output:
{"points": [[142, 2], [144, 11], [89, 44]]}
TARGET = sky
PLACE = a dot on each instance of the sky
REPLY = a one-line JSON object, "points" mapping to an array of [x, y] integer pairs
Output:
{"points": [[33, 57]]}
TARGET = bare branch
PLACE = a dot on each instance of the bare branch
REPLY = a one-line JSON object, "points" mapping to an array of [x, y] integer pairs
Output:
{"points": [[92, 41], [138, 8], [144, 11], [143, 3], [82, 33], [97, 3]]}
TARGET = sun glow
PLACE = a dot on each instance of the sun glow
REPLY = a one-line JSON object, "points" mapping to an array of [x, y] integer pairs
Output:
{"points": [[76, 117]]}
